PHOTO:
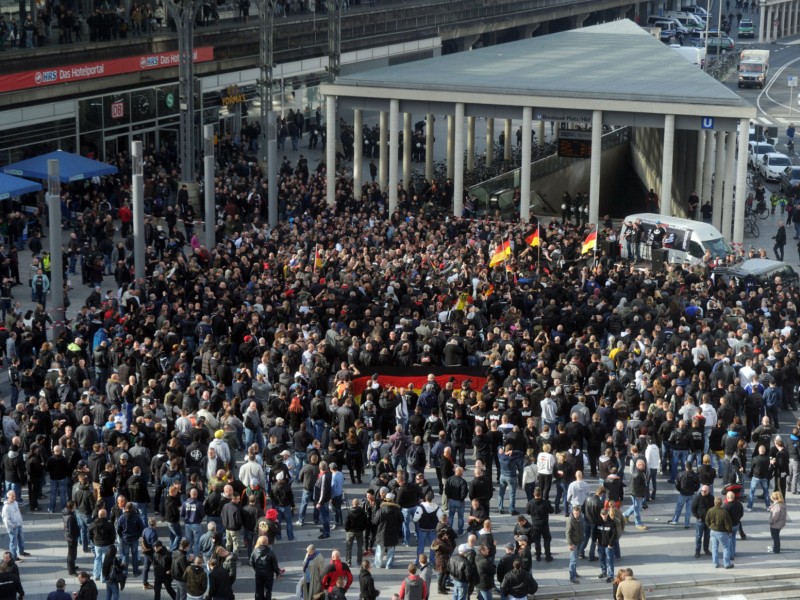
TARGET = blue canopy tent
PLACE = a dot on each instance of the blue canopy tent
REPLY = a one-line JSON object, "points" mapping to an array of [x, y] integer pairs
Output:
{"points": [[55, 167], [72, 167], [11, 187]]}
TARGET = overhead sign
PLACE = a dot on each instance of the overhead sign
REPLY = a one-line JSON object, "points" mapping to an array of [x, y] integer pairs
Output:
{"points": [[707, 123], [574, 144], [97, 69], [558, 116]]}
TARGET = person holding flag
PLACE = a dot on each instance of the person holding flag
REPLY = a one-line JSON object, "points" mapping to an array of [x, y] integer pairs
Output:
{"points": [[500, 255], [590, 243]]}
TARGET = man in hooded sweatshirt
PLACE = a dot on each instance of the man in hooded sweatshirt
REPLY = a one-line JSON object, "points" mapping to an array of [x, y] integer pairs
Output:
{"points": [[413, 586]]}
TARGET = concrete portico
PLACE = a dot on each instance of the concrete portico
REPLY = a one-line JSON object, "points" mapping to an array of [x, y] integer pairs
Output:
{"points": [[778, 18], [611, 74]]}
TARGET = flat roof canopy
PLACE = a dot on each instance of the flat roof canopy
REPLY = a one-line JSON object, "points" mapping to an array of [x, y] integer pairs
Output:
{"points": [[616, 67]]}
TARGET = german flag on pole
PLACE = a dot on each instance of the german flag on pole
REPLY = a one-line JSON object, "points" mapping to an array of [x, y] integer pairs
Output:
{"points": [[503, 252], [318, 262], [590, 242], [532, 239]]}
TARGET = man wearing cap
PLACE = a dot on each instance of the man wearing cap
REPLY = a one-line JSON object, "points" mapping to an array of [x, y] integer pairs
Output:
{"points": [[389, 522], [463, 572]]}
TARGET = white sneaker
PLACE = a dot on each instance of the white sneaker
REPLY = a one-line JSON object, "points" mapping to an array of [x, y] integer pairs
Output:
{"points": [[769, 548], [298, 523], [333, 527]]}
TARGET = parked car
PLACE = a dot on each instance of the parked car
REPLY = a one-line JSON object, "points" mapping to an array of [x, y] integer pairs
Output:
{"points": [[790, 178], [756, 150], [757, 273], [698, 10], [720, 45], [745, 29], [772, 165]]}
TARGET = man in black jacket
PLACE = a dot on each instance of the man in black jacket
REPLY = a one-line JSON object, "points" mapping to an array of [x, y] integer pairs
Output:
{"points": [[220, 586], [354, 525], [233, 522], [367, 583], [687, 485], [540, 510], [606, 535], [518, 583], [59, 471], [71, 535], [103, 536], [481, 488], [265, 566], [594, 504], [172, 515], [700, 505], [180, 562], [162, 570], [639, 492], [456, 490], [760, 470], [463, 571]]}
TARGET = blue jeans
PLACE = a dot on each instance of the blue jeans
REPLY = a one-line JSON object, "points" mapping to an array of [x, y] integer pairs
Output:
{"points": [[679, 458], [193, 533], [484, 594], [99, 556], [399, 460], [299, 461], [635, 510], [131, 547], [142, 508], [285, 513], [425, 538], [17, 490], [506, 481], [653, 484], [587, 538], [683, 502], [325, 517], [408, 519], [112, 591], [460, 590], [319, 428], [606, 560], [253, 437], [16, 541], [58, 488], [455, 507], [83, 527], [764, 485], [720, 539], [573, 562], [307, 499], [175, 535], [701, 536], [336, 505], [379, 550], [732, 540]]}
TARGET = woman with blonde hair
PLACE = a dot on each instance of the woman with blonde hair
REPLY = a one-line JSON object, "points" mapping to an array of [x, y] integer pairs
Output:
{"points": [[777, 521]]}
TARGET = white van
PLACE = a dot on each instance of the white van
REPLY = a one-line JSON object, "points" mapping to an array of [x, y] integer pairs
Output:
{"points": [[697, 56], [688, 20], [686, 241]]}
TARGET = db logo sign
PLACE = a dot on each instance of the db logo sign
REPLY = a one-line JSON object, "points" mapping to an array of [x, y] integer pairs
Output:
{"points": [[117, 110]]}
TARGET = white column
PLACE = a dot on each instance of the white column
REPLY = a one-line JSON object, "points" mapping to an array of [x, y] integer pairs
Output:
{"points": [[383, 150], [458, 162], [507, 144], [698, 168], [525, 171], [730, 183], [761, 21], [408, 142], [358, 152], [137, 179], [429, 146], [330, 148], [489, 142], [773, 19], [595, 163], [741, 186], [450, 143], [394, 150], [719, 178], [666, 165], [470, 143], [784, 14], [708, 167], [796, 15], [540, 132]]}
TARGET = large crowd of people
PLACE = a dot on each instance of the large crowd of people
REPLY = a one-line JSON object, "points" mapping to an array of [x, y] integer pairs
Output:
{"points": [[188, 421]]}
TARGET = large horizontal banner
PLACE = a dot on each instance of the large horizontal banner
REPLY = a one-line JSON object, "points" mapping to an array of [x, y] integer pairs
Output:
{"points": [[400, 377], [97, 69]]}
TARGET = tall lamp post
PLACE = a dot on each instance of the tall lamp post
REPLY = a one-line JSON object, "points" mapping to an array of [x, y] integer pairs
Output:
{"points": [[334, 62], [184, 13], [138, 210], [56, 266], [268, 144]]}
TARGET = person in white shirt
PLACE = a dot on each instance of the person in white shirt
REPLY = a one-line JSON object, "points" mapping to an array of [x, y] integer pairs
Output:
{"points": [[545, 464], [652, 456], [12, 519], [578, 490]]}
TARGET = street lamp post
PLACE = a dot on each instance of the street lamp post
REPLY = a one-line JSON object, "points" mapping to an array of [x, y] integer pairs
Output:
{"points": [[184, 13], [56, 253], [138, 210], [334, 62], [268, 144]]}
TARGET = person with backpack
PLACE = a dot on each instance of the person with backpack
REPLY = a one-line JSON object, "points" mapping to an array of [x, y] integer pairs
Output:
{"points": [[266, 568], [413, 586]]}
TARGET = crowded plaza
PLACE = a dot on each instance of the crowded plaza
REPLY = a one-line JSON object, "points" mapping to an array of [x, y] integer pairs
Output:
{"points": [[421, 399]]}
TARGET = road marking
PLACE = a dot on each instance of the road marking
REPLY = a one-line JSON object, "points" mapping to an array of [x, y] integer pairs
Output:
{"points": [[792, 43], [764, 121], [768, 87]]}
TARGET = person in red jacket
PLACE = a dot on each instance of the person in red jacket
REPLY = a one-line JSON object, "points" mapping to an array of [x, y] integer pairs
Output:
{"points": [[125, 218], [337, 568]]}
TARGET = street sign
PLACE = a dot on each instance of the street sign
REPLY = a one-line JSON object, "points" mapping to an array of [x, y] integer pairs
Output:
{"points": [[793, 81], [707, 123]]}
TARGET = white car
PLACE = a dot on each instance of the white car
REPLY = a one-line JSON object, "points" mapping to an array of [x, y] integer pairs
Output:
{"points": [[772, 165], [756, 151]]}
